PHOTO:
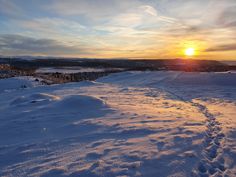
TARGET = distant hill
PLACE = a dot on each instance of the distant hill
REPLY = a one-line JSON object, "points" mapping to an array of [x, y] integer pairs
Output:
{"points": [[129, 64], [231, 63]]}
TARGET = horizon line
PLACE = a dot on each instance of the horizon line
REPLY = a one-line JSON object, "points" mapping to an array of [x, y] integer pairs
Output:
{"points": [[100, 58]]}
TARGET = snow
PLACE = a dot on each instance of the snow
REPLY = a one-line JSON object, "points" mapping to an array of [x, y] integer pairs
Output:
{"points": [[126, 124], [17, 83], [73, 69]]}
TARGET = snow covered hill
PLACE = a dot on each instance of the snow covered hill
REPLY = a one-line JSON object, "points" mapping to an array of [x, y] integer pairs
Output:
{"points": [[126, 124]]}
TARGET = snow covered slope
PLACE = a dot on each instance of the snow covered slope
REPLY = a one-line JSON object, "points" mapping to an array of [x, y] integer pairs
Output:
{"points": [[126, 124]]}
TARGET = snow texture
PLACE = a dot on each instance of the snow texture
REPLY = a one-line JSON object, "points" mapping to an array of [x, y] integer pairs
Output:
{"points": [[142, 124]]}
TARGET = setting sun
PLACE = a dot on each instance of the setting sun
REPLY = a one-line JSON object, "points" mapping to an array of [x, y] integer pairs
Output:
{"points": [[190, 52]]}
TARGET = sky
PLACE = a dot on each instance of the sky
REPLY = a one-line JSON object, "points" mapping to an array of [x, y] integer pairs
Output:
{"points": [[151, 29]]}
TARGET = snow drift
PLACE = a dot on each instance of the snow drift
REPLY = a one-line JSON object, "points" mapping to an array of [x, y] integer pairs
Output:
{"points": [[126, 124]]}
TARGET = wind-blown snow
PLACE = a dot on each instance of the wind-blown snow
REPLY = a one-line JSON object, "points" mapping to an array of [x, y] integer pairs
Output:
{"points": [[126, 124], [6, 85]]}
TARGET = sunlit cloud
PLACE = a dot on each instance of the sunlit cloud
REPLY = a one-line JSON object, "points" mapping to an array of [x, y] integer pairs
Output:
{"points": [[117, 28], [227, 17], [52, 26], [220, 48]]}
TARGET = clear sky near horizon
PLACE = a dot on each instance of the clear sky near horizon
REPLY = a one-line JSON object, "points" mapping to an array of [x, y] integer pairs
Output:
{"points": [[119, 28]]}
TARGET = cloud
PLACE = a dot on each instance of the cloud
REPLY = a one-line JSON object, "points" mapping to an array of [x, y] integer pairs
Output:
{"points": [[136, 20], [94, 9], [52, 26], [149, 9], [227, 17], [9, 8], [222, 48], [18, 44], [115, 27], [126, 20]]}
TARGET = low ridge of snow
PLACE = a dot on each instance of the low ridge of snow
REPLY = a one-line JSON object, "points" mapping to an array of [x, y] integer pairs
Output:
{"points": [[172, 77], [125, 124], [17, 83]]}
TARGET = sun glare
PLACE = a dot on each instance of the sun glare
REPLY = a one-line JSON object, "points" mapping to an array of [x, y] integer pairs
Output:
{"points": [[190, 52]]}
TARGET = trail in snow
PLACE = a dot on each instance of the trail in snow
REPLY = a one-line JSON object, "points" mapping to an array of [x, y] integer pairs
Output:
{"points": [[212, 163]]}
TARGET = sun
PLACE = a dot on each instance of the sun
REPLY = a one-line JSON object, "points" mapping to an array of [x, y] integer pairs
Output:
{"points": [[190, 52]]}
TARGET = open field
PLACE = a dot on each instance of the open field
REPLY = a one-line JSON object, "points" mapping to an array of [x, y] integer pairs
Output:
{"points": [[126, 124]]}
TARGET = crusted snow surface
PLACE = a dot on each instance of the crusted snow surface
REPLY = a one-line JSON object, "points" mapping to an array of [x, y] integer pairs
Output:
{"points": [[126, 124]]}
